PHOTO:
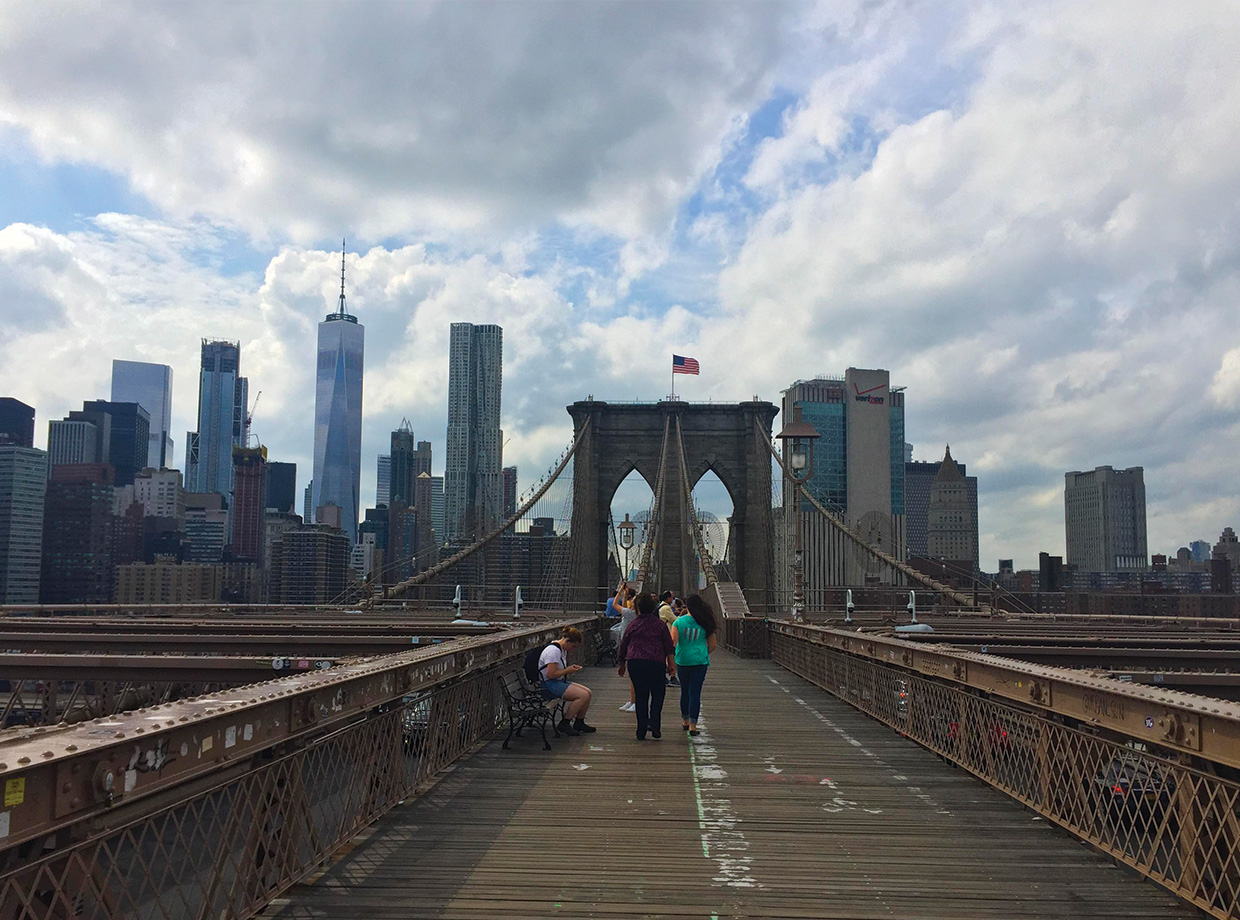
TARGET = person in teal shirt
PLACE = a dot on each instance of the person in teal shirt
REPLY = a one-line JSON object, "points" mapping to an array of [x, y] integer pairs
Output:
{"points": [[694, 636]]}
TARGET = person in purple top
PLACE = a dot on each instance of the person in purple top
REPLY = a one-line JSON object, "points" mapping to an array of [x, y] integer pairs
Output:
{"points": [[646, 652]]}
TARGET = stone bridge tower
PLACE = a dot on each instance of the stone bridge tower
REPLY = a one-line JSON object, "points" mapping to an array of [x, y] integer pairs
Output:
{"points": [[728, 438]]}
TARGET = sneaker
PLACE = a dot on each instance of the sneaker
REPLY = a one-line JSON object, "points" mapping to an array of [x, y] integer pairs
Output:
{"points": [[566, 728], [629, 707], [582, 729], [674, 682], [655, 733]]}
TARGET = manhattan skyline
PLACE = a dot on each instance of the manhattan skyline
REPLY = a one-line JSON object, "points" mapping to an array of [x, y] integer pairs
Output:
{"points": [[1026, 216]]}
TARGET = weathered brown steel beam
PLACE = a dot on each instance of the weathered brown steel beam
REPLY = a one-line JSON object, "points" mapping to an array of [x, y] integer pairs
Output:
{"points": [[1111, 657], [227, 669], [1208, 728], [54, 777], [286, 644]]}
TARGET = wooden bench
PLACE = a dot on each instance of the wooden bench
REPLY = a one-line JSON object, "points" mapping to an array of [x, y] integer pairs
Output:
{"points": [[527, 708]]}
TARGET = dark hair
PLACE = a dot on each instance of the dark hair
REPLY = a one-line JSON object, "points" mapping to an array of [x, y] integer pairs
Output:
{"points": [[612, 594], [646, 604], [667, 595], [571, 633], [702, 614]]}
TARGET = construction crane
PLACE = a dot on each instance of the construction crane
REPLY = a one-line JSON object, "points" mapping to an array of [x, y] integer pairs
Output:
{"points": [[249, 419]]}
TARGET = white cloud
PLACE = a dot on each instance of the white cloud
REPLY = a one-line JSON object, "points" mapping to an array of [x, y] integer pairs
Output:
{"points": [[1026, 214], [392, 118], [1048, 261]]}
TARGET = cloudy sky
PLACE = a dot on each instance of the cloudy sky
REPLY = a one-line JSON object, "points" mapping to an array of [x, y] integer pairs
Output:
{"points": [[1027, 212]]}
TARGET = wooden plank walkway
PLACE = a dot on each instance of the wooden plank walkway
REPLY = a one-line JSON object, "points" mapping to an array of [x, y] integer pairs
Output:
{"points": [[790, 804]]}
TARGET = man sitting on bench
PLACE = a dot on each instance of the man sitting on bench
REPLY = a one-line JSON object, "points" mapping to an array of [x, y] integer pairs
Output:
{"points": [[555, 671]]}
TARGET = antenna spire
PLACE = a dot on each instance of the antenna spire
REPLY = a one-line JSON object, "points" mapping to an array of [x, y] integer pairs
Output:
{"points": [[342, 310]]}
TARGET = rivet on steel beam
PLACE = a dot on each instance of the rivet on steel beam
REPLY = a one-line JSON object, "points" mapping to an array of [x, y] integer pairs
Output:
{"points": [[75, 802], [184, 719], [49, 753], [23, 760], [67, 787], [119, 735]]}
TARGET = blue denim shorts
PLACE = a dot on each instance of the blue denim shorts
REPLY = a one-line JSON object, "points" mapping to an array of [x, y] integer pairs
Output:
{"points": [[553, 687]]}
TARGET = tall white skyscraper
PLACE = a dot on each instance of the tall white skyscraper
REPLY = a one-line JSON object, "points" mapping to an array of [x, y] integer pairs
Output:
{"points": [[150, 386], [338, 413], [473, 481], [383, 480]]}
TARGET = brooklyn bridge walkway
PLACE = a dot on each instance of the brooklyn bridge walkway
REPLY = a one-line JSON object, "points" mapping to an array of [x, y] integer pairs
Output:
{"points": [[789, 804]]}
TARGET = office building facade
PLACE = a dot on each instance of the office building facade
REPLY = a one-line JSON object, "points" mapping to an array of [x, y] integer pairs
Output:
{"points": [[282, 487], [439, 508], [1104, 519], [409, 460], [919, 476], [72, 441], [249, 506], [383, 479], [338, 413], [473, 483], [129, 436], [510, 491], [166, 583], [858, 475], [223, 396], [206, 527], [23, 489], [78, 532], [16, 423], [951, 520], [150, 386], [310, 565]]}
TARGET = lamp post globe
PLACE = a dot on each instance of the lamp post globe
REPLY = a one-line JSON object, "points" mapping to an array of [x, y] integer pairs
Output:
{"points": [[627, 530]]}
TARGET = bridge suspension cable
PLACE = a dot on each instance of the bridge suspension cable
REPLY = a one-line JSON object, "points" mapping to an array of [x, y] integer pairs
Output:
{"points": [[698, 543], [422, 578], [887, 559], [656, 507]]}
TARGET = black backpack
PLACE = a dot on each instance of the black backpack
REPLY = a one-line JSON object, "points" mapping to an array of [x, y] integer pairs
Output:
{"points": [[531, 664]]}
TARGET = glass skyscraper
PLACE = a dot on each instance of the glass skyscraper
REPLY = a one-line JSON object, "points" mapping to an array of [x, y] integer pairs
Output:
{"points": [[473, 482], [23, 487], [150, 386], [858, 473], [338, 414], [222, 400]]}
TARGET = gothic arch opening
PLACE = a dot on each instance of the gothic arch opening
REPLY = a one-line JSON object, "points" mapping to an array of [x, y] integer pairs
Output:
{"points": [[632, 497]]}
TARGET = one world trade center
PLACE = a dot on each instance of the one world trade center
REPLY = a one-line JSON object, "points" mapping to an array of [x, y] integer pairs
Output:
{"points": [[338, 418]]}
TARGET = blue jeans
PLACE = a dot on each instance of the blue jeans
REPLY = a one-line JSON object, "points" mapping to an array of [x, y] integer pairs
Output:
{"points": [[692, 676]]}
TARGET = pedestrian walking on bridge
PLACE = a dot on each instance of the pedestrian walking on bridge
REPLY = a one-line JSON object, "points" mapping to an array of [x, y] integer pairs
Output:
{"points": [[646, 653], [694, 636]]}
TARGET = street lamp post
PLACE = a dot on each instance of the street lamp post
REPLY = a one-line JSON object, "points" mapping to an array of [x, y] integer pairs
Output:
{"points": [[627, 529], [798, 442]]}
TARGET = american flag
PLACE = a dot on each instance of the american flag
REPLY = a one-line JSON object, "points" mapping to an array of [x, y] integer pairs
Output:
{"points": [[685, 365]]}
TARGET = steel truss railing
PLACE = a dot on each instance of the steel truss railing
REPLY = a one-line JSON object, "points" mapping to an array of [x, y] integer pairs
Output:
{"points": [[1162, 798], [434, 571], [212, 807]]}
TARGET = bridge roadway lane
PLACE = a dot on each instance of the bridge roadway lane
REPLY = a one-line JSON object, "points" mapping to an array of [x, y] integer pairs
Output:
{"points": [[790, 804]]}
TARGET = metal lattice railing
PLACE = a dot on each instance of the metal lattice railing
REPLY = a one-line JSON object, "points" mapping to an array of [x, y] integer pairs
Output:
{"points": [[225, 851], [1173, 818], [223, 842]]}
